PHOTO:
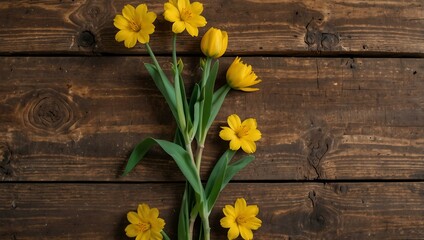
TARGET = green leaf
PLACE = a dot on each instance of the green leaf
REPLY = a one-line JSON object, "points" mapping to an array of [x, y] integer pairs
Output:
{"points": [[218, 99], [165, 236], [184, 218], [235, 167], [178, 138], [194, 107], [164, 86], [209, 88], [137, 154], [194, 98], [184, 162], [216, 179], [180, 156]]}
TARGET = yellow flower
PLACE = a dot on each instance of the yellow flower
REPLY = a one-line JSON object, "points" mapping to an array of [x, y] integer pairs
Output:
{"points": [[241, 219], [145, 224], [241, 134], [135, 24], [241, 77], [184, 16], [214, 43]]}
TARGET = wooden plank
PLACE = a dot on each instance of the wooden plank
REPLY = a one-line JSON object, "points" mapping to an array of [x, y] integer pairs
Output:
{"points": [[293, 210], [77, 119], [255, 26]]}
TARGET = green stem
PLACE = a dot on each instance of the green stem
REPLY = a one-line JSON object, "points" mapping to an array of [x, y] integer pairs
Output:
{"points": [[205, 76], [178, 97], [206, 227], [198, 158], [191, 226], [206, 71], [190, 151]]}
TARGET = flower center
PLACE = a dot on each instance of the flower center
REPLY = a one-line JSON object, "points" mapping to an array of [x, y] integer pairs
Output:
{"points": [[241, 220], [144, 226], [242, 131], [185, 14], [134, 26]]}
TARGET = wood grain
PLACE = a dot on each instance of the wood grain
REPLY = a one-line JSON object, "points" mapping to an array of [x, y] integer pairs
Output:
{"points": [[77, 119], [255, 26], [293, 210]]}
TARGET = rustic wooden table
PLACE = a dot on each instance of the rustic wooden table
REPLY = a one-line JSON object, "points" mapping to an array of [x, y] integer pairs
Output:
{"points": [[341, 109]]}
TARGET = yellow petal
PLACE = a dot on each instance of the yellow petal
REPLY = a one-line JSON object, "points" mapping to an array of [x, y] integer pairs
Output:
{"points": [[253, 135], [233, 233], [132, 230], [192, 30], [145, 235], [183, 4], [250, 123], [235, 144], [227, 134], [234, 121], [245, 233], [197, 8], [148, 28], [171, 13], [158, 224], [197, 21], [178, 27], [149, 17], [122, 35], [129, 12], [143, 211], [248, 89], [229, 211], [154, 213], [224, 43], [141, 9], [251, 210], [174, 2], [143, 37], [253, 223], [120, 22], [240, 205], [131, 40], [133, 217], [248, 146], [156, 235], [227, 222]]}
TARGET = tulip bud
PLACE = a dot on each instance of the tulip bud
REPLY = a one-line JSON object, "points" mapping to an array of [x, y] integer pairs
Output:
{"points": [[240, 76], [214, 43]]}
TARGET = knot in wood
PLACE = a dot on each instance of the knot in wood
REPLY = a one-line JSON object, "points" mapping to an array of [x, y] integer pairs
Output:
{"points": [[317, 142], [319, 37], [50, 111], [86, 39], [323, 217]]}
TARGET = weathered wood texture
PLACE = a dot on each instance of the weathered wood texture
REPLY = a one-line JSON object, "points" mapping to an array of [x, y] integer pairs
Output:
{"points": [[78, 119], [255, 26], [294, 210]]}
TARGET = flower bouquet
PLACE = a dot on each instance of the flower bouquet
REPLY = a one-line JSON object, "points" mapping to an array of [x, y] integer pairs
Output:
{"points": [[194, 114]]}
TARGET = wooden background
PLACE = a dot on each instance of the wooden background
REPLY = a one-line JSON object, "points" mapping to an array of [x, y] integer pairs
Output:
{"points": [[341, 109]]}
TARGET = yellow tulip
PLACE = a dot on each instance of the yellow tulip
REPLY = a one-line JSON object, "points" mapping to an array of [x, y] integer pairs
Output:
{"points": [[240, 76], [214, 43], [241, 134], [135, 24], [184, 16]]}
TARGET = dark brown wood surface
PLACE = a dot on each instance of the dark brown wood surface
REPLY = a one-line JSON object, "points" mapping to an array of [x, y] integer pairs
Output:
{"points": [[341, 110], [78, 119], [292, 210], [255, 26]]}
